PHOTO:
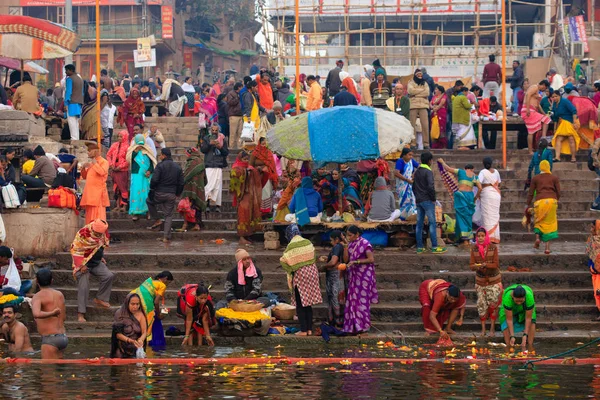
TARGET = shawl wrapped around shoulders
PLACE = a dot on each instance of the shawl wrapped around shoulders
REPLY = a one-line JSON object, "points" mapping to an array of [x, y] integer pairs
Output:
{"points": [[299, 253], [85, 245]]}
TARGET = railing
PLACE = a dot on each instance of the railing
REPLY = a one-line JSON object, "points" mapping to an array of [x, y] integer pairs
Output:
{"points": [[120, 31], [441, 56]]}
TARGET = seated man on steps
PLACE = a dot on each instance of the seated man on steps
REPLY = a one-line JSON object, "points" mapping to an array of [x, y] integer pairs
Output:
{"points": [[43, 173], [15, 334], [87, 252]]}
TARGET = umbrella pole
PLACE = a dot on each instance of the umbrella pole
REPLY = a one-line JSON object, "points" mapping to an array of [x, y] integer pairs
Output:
{"points": [[296, 12], [22, 71], [99, 128], [340, 195]]}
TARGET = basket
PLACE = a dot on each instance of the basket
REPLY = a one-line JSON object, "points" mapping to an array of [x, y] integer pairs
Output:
{"points": [[242, 306], [284, 312]]}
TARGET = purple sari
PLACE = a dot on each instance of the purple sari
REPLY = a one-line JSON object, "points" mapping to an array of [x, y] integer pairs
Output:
{"points": [[362, 289]]}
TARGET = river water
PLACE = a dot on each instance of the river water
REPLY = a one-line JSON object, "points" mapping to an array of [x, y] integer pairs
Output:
{"points": [[310, 380]]}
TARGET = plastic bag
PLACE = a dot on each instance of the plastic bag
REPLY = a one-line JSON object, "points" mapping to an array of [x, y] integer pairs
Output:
{"points": [[10, 196], [435, 128], [247, 132], [12, 275], [140, 353]]}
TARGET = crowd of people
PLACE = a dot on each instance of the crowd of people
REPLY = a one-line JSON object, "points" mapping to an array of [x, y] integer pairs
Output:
{"points": [[146, 180]]}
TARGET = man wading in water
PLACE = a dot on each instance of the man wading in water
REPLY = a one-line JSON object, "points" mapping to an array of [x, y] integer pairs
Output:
{"points": [[15, 333], [49, 311]]}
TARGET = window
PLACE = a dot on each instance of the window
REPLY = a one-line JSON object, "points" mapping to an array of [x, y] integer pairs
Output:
{"points": [[231, 34]]}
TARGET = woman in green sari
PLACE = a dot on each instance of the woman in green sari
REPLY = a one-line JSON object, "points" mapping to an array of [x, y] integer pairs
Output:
{"points": [[464, 201], [193, 202], [152, 295]]}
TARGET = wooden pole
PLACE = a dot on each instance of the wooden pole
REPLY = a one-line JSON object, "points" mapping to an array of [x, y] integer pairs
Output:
{"points": [[297, 12], [99, 128], [504, 161]]}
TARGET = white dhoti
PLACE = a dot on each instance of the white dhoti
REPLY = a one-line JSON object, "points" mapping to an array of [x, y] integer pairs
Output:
{"points": [[214, 187]]}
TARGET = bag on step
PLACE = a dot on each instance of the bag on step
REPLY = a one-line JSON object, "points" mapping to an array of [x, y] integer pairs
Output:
{"points": [[10, 196]]}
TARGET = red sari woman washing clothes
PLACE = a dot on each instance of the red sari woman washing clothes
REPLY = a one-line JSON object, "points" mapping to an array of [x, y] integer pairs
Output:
{"points": [[441, 301]]}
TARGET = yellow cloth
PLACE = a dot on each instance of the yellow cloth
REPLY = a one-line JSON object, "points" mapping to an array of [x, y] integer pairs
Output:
{"points": [[566, 129], [254, 114], [27, 166], [8, 297], [160, 288], [251, 317], [546, 222]]}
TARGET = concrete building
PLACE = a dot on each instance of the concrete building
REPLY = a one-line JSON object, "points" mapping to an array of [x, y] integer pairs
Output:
{"points": [[122, 22], [452, 38]]}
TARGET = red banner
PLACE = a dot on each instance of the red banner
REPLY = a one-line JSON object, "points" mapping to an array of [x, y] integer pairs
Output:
{"points": [[188, 56], [167, 22]]}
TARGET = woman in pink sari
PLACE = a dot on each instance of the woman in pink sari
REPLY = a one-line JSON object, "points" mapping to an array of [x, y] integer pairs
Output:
{"points": [[207, 108], [439, 111]]}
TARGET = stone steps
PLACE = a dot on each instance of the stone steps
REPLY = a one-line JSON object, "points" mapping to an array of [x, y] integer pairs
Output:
{"points": [[186, 255], [226, 222], [102, 329], [129, 279], [231, 235], [543, 296], [386, 312]]}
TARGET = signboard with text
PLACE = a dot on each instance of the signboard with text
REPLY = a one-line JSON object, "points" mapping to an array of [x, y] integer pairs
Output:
{"points": [[144, 50], [167, 22], [577, 31], [141, 64]]}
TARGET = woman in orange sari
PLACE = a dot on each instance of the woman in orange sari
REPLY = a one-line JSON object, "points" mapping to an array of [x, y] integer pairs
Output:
{"points": [[262, 159], [133, 110], [293, 178], [245, 185]]}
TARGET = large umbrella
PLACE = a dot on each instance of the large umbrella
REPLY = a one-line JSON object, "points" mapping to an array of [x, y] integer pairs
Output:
{"points": [[27, 38], [340, 135]]}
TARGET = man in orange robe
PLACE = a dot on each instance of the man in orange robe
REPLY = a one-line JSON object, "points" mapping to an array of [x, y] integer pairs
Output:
{"points": [[265, 91], [95, 195]]}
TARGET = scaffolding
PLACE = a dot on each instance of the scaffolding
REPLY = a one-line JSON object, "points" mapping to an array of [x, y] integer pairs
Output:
{"points": [[480, 19]]}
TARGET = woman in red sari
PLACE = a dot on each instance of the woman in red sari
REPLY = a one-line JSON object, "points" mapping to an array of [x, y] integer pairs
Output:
{"points": [[262, 159], [439, 110], [133, 110], [245, 185], [441, 301], [119, 170]]}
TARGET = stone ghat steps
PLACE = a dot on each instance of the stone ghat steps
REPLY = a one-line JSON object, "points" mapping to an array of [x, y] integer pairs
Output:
{"points": [[542, 295], [382, 312], [568, 258], [231, 235], [124, 222], [583, 217], [577, 203], [128, 279], [471, 326]]}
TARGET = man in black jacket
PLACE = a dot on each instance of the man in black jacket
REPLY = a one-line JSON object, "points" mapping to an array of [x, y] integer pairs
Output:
{"points": [[214, 147], [424, 191], [333, 82], [166, 184]]}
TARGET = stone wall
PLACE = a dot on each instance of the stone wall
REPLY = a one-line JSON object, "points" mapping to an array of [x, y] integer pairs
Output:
{"points": [[21, 123], [40, 232]]}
